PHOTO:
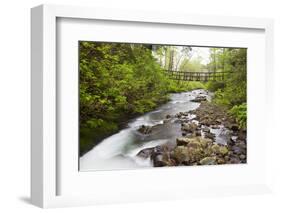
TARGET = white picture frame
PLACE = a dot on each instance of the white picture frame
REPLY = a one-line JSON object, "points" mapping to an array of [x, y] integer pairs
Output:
{"points": [[45, 168]]}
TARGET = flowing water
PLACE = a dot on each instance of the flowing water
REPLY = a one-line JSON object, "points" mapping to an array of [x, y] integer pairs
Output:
{"points": [[120, 150]]}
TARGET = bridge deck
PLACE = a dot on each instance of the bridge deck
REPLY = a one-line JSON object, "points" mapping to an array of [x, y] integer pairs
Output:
{"points": [[196, 76]]}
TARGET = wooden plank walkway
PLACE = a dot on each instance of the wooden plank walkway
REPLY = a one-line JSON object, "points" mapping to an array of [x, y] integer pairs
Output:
{"points": [[196, 76]]}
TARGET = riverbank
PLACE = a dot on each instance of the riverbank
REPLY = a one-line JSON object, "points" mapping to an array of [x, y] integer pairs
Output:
{"points": [[97, 130], [210, 136]]}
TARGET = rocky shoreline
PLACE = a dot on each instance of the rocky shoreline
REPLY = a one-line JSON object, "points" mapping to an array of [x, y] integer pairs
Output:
{"points": [[200, 142]]}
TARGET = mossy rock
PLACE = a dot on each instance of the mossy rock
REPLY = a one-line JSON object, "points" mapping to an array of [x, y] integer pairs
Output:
{"points": [[181, 154], [208, 161], [183, 141], [223, 150]]}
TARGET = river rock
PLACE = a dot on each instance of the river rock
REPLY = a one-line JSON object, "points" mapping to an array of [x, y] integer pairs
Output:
{"points": [[242, 135], [162, 157], [208, 161], [242, 157], [234, 127], [227, 158], [191, 153], [189, 127], [181, 154], [182, 141], [218, 121], [195, 144], [220, 161], [215, 148], [210, 135], [199, 99], [158, 161], [206, 121], [196, 154], [165, 121], [223, 150], [145, 129], [205, 142], [145, 153], [215, 126], [182, 114], [198, 133], [206, 129], [242, 147], [219, 150], [234, 160], [234, 138], [236, 150], [168, 116]]}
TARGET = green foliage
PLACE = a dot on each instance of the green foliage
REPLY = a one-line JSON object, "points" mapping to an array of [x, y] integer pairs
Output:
{"points": [[240, 114], [117, 81], [182, 86], [233, 91], [214, 86], [193, 65]]}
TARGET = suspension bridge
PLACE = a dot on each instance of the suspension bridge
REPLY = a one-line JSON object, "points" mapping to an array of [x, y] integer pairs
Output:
{"points": [[196, 76]]}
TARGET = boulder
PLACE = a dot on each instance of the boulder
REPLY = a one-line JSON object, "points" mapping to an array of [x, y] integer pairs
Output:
{"points": [[145, 153], [218, 121], [242, 135], [158, 161], [199, 99], [237, 150], [194, 144], [219, 150], [183, 141], [221, 161], [205, 142], [208, 161], [233, 138], [215, 127], [206, 121], [162, 158], [215, 148], [223, 150], [189, 127], [198, 133], [210, 135], [234, 160], [145, 129], [242, 157], [181, 154], [168, 116], [166, 121], [206, 129], [196, 154], [234, 127]]}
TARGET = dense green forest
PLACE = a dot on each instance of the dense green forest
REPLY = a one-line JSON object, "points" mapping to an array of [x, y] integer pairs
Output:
{"points": [[120, 81], [232, 92]]}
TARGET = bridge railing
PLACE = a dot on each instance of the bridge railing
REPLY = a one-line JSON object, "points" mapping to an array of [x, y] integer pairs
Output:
{"points": [[196, 76]]}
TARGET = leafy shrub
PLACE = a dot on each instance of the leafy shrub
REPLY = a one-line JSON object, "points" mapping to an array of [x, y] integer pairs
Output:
{"points": [[183, 86], [215, 85], [240, 114]]}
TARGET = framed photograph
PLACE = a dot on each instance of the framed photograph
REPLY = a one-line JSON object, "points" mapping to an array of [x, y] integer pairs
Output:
{"points": [[129, 106]]}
